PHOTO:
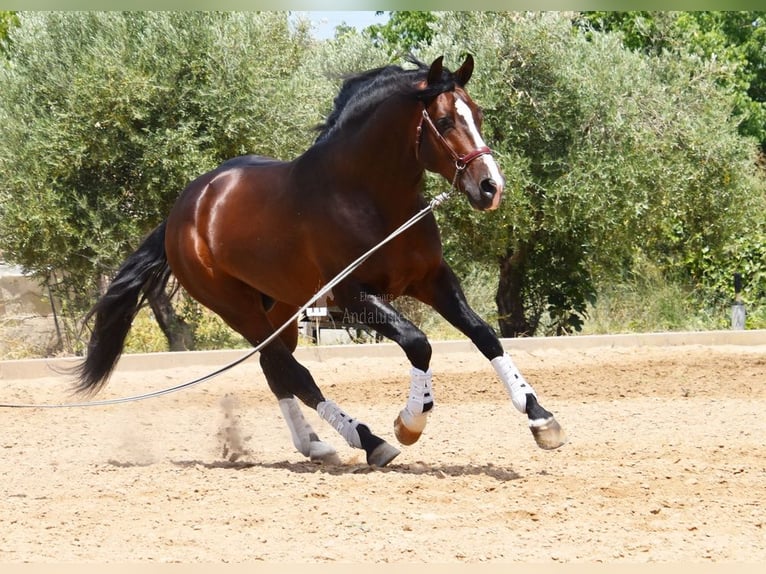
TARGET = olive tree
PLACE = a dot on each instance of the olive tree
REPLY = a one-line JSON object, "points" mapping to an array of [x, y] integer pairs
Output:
{"points": [[106, 116], [606, 152]]}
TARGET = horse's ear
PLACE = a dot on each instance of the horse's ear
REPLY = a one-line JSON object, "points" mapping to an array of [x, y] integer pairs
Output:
{"points": [[464, 72], [435, 72]]}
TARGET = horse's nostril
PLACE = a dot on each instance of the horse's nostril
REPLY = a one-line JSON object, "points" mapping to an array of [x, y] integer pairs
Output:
{"points": [[488, 187]]}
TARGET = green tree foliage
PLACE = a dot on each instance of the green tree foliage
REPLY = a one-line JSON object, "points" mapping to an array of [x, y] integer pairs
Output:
{"points": [[404, 32], [105, 117], [350, 51], [606, 152], [7, 21], [735, 39]]}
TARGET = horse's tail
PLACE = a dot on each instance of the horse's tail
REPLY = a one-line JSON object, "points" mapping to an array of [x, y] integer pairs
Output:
{"points": [[145, 271]]}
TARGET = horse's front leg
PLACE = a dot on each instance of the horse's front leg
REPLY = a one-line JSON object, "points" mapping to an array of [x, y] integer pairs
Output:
{"points": [[444, 294], [360, 306]]}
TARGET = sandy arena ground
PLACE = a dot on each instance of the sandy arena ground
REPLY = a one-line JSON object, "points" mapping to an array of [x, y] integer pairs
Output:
{"points": [[666, 462]]}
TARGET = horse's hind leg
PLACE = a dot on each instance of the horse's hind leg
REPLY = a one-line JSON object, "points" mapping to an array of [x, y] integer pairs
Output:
{"points": [[305, 439], [294, 380], [243, 309]]}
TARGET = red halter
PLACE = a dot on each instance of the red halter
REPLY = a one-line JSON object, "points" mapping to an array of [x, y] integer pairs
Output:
{"points": [[461, 161]]}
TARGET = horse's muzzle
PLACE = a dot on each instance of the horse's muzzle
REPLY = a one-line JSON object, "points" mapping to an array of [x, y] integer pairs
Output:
{"points": [[487, 195], [490, 192]]}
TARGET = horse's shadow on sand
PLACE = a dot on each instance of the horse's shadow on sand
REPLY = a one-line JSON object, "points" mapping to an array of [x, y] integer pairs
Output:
{"points": [[415, 469], [305, 467]]}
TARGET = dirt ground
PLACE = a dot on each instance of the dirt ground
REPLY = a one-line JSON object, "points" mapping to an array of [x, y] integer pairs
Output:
{"points": [[665, 462]]}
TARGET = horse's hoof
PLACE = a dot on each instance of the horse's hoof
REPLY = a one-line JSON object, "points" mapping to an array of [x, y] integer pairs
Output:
{"points": [[549, 435], [404, 435], [409, 433], [382, 455], [322, 452]]}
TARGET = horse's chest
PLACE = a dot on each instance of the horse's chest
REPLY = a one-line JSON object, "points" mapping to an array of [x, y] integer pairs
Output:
{"points": [[397, 265]]}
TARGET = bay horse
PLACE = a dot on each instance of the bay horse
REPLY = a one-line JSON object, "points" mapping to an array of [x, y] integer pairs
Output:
{"points": [[256, 237]]}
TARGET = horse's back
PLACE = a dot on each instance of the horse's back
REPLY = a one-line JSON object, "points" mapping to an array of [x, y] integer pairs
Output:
{"points": [[249, 161], [245, 176]]}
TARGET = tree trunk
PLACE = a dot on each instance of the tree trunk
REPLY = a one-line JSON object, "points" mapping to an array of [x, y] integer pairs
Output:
{"points": [[177, 331], [510, 304]]}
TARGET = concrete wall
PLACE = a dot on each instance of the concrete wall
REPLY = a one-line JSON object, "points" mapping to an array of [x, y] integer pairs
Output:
{"points": [[40, 368], [27, 324]]}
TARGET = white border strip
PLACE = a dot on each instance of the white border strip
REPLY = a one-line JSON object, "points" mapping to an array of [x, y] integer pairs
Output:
{"points": [[40, 368]]}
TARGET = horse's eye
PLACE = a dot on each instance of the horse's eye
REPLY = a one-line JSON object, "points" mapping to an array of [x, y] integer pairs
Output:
{"points": [[444, 125]]}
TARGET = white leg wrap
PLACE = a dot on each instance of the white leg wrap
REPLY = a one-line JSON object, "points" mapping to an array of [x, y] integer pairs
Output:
{"points": [[421, 392], [340, 421], [413, 416], [299, 427], [513, 380]]}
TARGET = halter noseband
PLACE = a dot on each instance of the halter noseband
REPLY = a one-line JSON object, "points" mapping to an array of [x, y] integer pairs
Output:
{"points": [[461, 161]]}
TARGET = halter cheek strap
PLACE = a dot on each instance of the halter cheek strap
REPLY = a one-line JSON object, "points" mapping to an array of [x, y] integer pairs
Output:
{"points": [[461, 161]]}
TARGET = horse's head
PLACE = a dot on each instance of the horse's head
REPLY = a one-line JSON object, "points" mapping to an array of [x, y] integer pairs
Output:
{"points": [[449, 137]]}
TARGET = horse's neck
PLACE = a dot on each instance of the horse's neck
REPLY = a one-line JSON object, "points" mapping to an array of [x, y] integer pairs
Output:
{"points": [[379, 156]]}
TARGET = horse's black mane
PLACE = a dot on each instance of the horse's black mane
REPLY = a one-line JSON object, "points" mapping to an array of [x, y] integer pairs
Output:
{"points": [[362, 91]]}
